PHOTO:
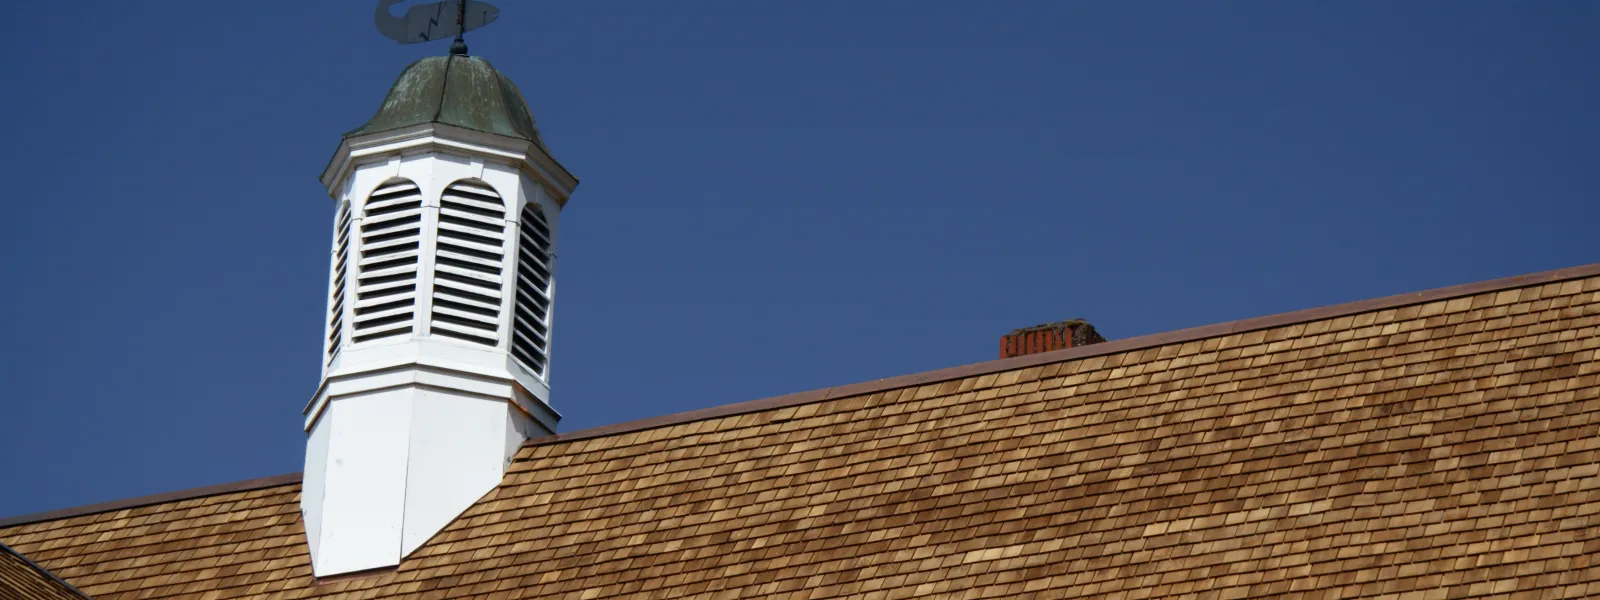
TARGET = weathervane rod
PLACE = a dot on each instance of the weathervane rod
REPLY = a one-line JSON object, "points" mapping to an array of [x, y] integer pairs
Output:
{"points": [[459, 47]]}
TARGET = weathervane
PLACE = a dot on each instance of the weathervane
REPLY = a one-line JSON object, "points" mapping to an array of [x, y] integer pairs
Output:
{"points": [[436, 21]]}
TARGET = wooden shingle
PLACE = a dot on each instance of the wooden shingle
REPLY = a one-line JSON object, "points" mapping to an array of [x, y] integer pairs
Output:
{"points": [[22, 579], [1436, 447]]}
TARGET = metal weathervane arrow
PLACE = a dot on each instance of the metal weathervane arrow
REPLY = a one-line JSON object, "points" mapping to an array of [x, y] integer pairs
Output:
{"points": [[436, 21]]}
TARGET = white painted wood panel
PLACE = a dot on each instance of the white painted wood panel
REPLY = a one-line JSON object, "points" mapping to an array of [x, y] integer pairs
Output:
{"points": [[311, 484], [457, 446], [363, 502]]}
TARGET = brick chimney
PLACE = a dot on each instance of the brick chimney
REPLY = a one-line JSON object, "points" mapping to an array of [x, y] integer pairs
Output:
{"points": [[1044, 338]]}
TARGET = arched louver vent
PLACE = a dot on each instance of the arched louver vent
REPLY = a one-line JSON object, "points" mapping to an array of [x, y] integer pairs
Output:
{"points": [[391, 240], [341, 252], [467, 278], [531, 325]]}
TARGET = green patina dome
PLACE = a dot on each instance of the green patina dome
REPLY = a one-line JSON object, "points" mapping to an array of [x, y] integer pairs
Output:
{"points": [[463, 91]]}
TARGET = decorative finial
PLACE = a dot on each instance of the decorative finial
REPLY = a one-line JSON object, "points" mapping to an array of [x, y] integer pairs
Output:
{"points": [[429, 22]]}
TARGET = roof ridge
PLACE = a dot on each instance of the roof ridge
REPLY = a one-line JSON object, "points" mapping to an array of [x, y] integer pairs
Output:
{"points": [[1077, 352], [926, 377], [187, 494]]}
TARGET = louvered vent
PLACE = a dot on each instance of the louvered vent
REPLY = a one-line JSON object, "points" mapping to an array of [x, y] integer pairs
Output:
{"points": [[386, 289], [467, 270], [531, 325], [341, 252]]}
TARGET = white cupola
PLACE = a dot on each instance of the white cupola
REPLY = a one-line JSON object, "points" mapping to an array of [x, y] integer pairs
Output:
{"points": [[436, 362]]}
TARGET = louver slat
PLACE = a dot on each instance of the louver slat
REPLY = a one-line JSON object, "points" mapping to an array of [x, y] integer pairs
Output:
{"points": [[391, 244], [341, 252], [468, 264], [530, 322]]}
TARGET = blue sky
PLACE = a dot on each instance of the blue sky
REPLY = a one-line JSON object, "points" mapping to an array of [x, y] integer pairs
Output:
{"points": [[775, 196]]}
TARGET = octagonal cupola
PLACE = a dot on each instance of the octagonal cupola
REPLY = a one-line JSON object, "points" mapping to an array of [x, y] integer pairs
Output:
{"points": [[438, 341]]}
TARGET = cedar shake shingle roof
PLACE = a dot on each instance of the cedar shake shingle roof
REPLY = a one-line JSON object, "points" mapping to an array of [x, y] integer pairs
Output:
{"points": [[20, 578], [1436, 445]]}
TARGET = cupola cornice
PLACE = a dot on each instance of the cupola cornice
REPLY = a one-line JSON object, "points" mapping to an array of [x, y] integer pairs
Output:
{"points": [[376, 147]]}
